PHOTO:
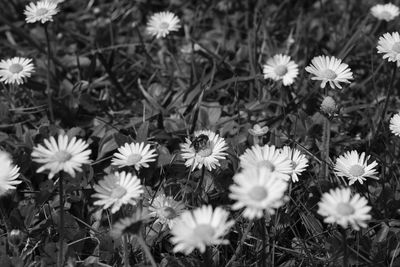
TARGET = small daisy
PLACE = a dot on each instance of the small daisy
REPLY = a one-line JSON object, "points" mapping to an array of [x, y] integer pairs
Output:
{"points": [[62, 155], [130, 225], [280, 67], [395, 124], [330, 69], [8, 173], [134, 154], [258, 131], [16, 70], [162, 23], [206, 149], [116, 190], [268, 157], [389, 44], [42, 11], [386, 12], [166, 209], [339, 207], [328, 105], [355, 167], [257, 190], [200, 228], [298, 160]]}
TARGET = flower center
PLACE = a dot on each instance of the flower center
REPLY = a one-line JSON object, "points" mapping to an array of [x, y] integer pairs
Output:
{"points": [[118, 192], [280, 70], [168, 213], [62, 156], [328, 74], [133, 159], [356, 170], [294, 164], [15, 68], [386, 15], [345, 209], [164, 25], [266, 164], [204, 232], [41, 11], [396, 47], [258, 193], [205, 152]]}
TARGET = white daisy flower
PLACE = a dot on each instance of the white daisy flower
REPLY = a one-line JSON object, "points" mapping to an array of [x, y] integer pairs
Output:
{"points": [[166, 209], [330, 70], [8, 173], [42, 11], [339, 207], [62, 155], [130, 225], [116, 190], [200, 228], [134, 154], [16, 70], [206, 149], [257, 130], [268, 157], [355, 167], [395, 124], [389, 45], [386, 12], [298, 160], [162, 23], [280, 67], [257, 190]]}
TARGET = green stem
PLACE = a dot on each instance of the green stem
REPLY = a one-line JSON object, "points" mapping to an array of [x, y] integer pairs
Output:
{"points": [[126, 251], [199, 185], [61, 223], [239, 247], [48, 88], [207, 258], [325, 148], [386, 104], [264, 242], [345, 250], [146, 250]]}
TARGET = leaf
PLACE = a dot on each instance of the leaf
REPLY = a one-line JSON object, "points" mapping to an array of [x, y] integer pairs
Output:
{"points": [[121, 139], [171, 261], [106, 144], [143, 132]]}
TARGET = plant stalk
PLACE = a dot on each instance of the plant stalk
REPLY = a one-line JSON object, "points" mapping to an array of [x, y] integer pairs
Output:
{"points": [[48, 87], [60, 258], [146, 250]]}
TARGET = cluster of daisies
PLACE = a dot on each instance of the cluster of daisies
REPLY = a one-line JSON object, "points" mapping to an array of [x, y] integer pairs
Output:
{"points": [[259, 187]]}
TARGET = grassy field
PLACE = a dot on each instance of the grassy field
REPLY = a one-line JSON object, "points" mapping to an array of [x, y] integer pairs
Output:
{"points": [[219, 133]]}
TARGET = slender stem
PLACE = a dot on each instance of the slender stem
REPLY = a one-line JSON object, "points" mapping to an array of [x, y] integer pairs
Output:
{"points": [[48, 88], [207, 258], [61, 223], [345, 250], [4, 217], [203, 173], [126, 251], [264, 242], [386, 104], [239, 247], [326, 148], [146, 250]]}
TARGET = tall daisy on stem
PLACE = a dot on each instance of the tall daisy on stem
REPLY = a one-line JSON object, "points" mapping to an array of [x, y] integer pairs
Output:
{"points": [[338, 207], [43, 12], [132, 226], [64, 156]]}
